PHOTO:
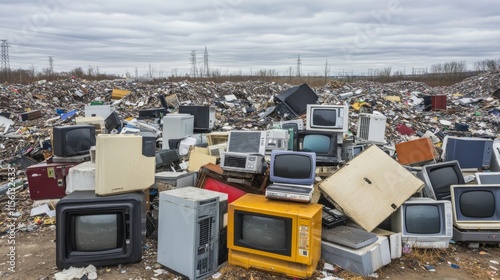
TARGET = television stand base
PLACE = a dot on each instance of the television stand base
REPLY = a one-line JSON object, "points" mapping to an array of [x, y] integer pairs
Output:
{"points": [[476, 236]]}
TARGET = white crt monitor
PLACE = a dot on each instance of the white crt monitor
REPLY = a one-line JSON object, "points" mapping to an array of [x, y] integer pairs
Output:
{"points": [[332, 118], [424, 222]]}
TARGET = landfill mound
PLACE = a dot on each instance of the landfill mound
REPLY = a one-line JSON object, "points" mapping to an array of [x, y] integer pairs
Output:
{"points": [[248, 105]]}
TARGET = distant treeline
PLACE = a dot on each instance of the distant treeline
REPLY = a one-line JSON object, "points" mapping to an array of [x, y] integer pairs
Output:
{"points": [[441, 74]]}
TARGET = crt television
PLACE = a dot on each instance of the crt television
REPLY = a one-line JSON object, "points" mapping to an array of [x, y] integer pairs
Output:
{"points": [[476, 207], [322, 143], [424, 222], [278, 236], [244, 141], [73, 140], [100, 230], [332, 118], [438, 177], [291, 167]]}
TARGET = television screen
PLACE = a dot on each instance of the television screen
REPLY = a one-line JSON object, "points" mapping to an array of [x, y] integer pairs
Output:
{"points": [[322, 143], [316, 143], [439, 176], [422, 219], [97, 232], [252, 142], [475, 206], [293, 167], [324, 117], [263, 232], [73, 140]]}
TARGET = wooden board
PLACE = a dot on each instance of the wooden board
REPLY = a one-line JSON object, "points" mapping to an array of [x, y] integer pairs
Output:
{"points": [[370, 187]]}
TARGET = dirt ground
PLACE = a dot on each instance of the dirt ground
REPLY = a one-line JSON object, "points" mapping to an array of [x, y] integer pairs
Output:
{"points": [[35, 259]]}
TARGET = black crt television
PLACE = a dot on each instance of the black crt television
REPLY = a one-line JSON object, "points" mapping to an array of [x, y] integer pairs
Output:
{"points": [[72, 140], [438, 177], [323, 144], [293, 102], [100, 230]]}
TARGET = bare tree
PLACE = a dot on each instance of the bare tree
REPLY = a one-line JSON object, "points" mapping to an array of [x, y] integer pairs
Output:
{"points": [[386, 72]]}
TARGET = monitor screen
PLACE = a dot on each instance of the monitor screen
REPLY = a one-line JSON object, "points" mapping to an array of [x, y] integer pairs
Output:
{"points": [[263, 232], [442, 178], [477, 204], [324, 117], [293, 167], [438, 178], [317, 143], [97, 232], [475, 207], [251, 142], [422, 219]]}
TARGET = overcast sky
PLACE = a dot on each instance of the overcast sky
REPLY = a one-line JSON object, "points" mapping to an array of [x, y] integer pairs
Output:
{"points": [[246, 36]]}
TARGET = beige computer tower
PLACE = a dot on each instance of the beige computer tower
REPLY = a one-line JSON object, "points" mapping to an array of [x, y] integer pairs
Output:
{"points": [[124, 163]]}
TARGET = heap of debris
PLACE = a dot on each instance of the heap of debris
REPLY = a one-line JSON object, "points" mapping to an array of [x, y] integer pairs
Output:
{"points": [[245, 105]]}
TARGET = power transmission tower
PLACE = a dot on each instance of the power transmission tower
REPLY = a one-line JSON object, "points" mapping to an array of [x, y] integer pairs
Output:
{"points": [[5, 56], [51, 65], [299, 64], [206, 71], [136, 76], [194, 69]]}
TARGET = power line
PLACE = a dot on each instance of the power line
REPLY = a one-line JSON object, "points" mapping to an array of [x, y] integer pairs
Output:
{"points": [[51, 65], [194, 70], [206, 71], [299, 64]]}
